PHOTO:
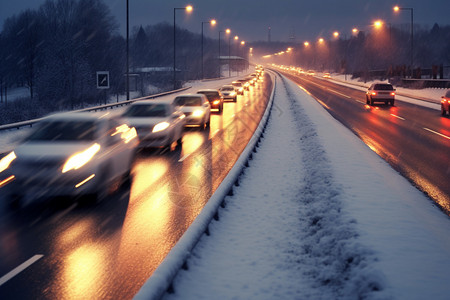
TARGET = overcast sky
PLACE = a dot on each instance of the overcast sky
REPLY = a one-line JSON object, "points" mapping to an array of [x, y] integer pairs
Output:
{"points": [[250, 19]]}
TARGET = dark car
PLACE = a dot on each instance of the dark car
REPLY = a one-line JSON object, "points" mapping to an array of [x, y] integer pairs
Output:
{"points": [[445, 104], [215, 98], [380, 92]]}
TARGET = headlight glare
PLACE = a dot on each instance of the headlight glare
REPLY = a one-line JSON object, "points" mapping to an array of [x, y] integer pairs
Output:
{"points": [[160, 126], [79, 159], [197, 113], [6, 161]]}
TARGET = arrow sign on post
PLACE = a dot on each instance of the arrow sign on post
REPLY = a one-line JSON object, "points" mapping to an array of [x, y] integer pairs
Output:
{"points": [[103, 79]]}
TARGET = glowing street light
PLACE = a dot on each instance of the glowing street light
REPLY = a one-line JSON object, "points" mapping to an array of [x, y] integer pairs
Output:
{"points": [[227, 31], [397, 9], [306, 44], [378, 24], [213, 23], [321, 40], [188, 9], [336, 34]]}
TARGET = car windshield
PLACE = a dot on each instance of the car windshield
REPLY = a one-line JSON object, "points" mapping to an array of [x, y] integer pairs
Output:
{"points": [[237, 83], [227, 88], [150, 110], [210, 95], [188, 101], [383, 87], [64, 131]]}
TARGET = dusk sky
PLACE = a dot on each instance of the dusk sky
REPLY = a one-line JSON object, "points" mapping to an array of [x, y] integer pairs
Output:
{"points": [[250, 19]]}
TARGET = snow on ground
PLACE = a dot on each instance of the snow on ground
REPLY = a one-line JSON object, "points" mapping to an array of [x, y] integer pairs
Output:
{"points": [[318, 215]]}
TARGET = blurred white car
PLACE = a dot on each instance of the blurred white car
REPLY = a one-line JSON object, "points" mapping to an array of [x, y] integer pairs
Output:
{"points": [[158, 123], [229, 92], [69, 154], [197, 109]]}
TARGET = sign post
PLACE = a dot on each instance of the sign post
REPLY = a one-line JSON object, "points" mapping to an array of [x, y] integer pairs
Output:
{"points": [[103, 81]]}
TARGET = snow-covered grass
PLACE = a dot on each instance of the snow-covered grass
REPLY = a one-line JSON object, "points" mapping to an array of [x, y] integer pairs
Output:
{"points": [[318, 215]]}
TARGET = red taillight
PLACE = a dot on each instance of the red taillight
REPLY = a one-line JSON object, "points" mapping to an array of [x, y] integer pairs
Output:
{"points": [[393, 94], [374, 93]]}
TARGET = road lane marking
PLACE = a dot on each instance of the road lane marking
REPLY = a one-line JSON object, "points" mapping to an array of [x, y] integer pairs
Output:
{"points": [[20, 268], [339, 93], [440, 134], [398, 117], [184, 157]]}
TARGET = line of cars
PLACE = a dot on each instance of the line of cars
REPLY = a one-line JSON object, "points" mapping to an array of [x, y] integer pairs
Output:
{"points": [[78, 154]]}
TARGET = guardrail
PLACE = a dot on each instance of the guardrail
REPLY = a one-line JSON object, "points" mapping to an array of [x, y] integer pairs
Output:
{"points": [[30, 123], [161, 279]]}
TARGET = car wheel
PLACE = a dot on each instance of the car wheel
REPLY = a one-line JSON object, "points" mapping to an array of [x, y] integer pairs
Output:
{"points": [[221, 109], [443, 112], [208, 124], [179, 141], [235, 99], [392, 102], [367, 100], [371, 102]]}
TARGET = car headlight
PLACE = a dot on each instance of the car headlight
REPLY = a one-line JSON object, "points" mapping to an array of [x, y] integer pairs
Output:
{"points": [[216, 102], [241, 89], [197, 113], [232, 93], [6, 161], [79, 159], [160, 126]]}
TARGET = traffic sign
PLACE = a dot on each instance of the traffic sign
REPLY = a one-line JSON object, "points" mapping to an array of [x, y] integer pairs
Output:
{"points": [[103, 79]]}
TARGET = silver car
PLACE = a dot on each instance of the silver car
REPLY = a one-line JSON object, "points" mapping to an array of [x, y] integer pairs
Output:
{"points": [[158, 123], [380, 92], [69, 154], [229, 92], [197, 109]]}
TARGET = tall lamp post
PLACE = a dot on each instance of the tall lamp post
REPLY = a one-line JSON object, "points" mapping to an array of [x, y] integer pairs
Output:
{"points": [[212, 22], [396, 9], [188, 9], [236, 38], [227, 31]]}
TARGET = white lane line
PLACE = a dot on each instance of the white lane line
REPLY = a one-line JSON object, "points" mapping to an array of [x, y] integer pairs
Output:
{"points": [[20, 268], [184, 157], [440, 134], [398, 117], [339, 93]]}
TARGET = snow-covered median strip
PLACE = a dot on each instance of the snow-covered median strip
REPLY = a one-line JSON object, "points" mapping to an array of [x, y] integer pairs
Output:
{"points": [[318, 215]]}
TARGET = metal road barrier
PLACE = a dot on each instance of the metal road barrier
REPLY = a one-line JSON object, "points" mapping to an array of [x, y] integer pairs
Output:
{"points": [[30, 123]]}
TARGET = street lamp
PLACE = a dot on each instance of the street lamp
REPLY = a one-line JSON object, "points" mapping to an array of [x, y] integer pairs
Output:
{"points": [[212, 22], [227, 31], [396, 9], [188, 8]]}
